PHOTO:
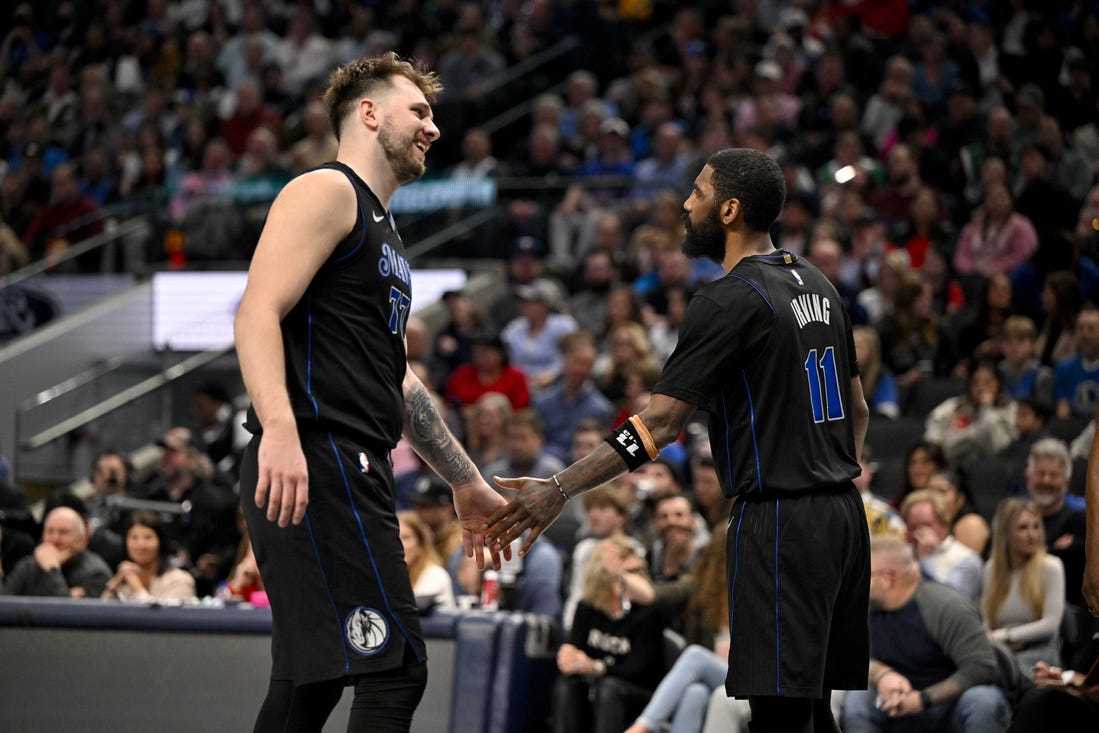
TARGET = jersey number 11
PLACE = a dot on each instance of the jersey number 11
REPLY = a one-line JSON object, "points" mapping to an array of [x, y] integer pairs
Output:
{"points": [[824, 385]]}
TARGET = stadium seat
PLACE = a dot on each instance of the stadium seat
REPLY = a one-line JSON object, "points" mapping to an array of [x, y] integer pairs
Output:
{"points": [[474, 673], [525, 669], [993, 479]]}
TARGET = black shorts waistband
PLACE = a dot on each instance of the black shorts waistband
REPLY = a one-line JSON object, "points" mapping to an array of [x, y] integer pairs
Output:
{"points": [[822, 490]]}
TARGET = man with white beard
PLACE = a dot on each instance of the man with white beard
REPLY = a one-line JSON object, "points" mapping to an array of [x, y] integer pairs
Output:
{"points": [[1048, 473]]}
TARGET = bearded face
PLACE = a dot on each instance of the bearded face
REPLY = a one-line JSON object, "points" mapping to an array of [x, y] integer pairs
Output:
{"points": [[400, 150], [706, 239]]}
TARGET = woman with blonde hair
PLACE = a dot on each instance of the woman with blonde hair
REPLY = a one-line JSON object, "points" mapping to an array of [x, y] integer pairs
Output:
{"points": [[878, 383], [613, 659], [485, 428], [1024, 587], [627, 350], [430, 581]]}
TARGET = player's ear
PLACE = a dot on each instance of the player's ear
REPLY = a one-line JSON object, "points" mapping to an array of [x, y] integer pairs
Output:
{"points": [[368, 113], [729, 211]]}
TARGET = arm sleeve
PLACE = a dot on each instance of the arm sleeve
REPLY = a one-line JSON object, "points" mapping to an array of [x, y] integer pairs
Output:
{"points": [[581, 625], [966, 577], [27, 579], [95, 579], [938, 421], [1053, 605], [956, 626], [963, 260], [1062, 382], [177, 585], [1022, 242], [710, 336], [672, 596]]}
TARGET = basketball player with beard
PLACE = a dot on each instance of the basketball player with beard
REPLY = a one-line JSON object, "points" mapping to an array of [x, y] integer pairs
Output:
{"points": [[320, 337], [766, 352]]}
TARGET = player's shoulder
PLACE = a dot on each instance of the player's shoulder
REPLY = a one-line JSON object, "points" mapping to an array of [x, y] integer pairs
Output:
{"points": [[327, 181]]}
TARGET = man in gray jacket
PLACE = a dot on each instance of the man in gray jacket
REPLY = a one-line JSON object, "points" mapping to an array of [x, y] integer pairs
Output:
{"points": [[931, 666], [61, 565]]}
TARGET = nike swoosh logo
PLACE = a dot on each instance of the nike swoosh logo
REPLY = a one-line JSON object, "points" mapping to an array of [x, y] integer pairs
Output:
{"points": [[377, 217]]}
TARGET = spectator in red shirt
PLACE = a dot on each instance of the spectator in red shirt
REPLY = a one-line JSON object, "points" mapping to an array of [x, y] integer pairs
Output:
{"points": [[67, 219], [487, 371], [250, 114]]}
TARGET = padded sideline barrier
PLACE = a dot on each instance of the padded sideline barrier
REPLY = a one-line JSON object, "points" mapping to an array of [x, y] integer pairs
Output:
{"points": [[95, 665]]}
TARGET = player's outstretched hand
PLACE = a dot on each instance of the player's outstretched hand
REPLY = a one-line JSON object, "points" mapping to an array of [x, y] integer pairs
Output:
{"points": [[474, 504], [536, 505], [283, 484]]}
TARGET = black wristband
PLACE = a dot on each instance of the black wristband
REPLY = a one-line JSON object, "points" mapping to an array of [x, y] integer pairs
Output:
{"points": [[627, 443], [925, 700]]}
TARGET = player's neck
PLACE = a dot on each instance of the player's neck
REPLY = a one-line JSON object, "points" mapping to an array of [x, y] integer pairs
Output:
{"points": [[369, 163], [740, 245]]}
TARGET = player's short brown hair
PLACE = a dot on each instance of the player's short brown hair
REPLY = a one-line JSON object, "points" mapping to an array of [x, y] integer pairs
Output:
{"points": [[357, 79]]}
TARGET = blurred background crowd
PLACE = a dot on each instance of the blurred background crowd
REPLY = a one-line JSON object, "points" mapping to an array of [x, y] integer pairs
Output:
{"points": [[941, 162]]}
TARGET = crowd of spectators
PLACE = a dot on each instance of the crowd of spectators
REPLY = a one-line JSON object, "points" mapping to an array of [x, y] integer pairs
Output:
{"points": [[941, 165]]}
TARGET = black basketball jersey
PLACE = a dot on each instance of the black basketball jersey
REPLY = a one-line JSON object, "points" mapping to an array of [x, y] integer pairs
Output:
{"points": [[767, 352], [344, 340]]}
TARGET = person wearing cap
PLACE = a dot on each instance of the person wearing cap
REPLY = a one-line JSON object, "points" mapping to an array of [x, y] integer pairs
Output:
{"points": [[452, 344], [614, 159], [433, 502], [216, 418], [205, 537], [525, 265], [766, 86], [532, 338]]}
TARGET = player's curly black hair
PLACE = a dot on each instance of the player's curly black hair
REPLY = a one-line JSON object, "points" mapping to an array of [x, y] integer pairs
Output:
{"points": [[754, 179]]}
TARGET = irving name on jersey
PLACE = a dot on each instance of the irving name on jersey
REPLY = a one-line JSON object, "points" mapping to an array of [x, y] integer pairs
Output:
{"points": [[811, 308]]}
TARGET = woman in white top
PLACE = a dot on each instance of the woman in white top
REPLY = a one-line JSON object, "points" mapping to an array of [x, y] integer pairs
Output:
{"points": [[977, 424], [146, 574], [430, 581], [1024, 587]]}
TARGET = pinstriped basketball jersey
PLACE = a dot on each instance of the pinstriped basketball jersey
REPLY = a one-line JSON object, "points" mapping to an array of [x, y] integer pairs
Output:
{"points": [[767, 351], [344, 340]]}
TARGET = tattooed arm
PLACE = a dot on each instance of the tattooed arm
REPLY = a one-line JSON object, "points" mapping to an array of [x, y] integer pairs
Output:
{"points": [[474, 500], [539, 501]]}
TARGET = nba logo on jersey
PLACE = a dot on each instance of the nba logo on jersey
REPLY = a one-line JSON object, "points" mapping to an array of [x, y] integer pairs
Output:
{"points": [[366, 631], [797, 277], [364, 463]]}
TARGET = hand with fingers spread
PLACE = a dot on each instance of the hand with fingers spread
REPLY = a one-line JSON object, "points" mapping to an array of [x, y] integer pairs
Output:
{"points": [[536, 505], [283, 484], [474, 504]]}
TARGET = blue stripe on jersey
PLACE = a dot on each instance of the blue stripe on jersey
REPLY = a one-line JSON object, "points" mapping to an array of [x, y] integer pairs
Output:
{"points": [[778, 655], [755, 441], [369, 552], [362, 218], [328, 590], [755, 288], [309, 353], [728, 446], [736, 567]]}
